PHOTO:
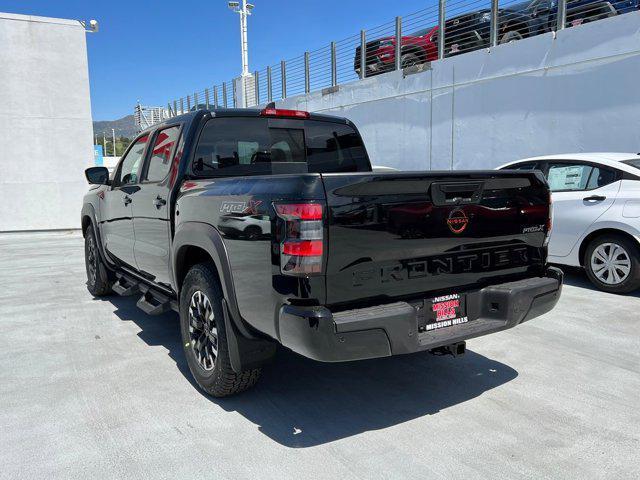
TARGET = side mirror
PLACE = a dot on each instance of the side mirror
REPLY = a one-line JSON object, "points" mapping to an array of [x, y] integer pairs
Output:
{"points": [[97, 175]]}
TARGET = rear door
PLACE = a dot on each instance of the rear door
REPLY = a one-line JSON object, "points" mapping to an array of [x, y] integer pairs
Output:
{"points": [[394, 236], [116, 211], [581, 193], [150, 212]]}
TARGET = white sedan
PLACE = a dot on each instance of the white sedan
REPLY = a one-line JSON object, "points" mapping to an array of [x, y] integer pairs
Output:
{"points": [[596, 207]]}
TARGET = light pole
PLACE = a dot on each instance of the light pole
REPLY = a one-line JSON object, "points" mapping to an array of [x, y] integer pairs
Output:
{"points": [[243, 11], [113, 134]]}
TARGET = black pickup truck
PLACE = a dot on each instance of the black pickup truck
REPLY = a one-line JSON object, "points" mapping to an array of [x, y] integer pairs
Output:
{"points": [[269, 226]]}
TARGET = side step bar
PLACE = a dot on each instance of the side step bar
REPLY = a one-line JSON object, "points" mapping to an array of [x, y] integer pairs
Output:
{"points": [[151, 302], [125, 286]]}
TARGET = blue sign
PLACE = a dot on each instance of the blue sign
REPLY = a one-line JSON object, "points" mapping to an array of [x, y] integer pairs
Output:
{"points": [[97, 155]]}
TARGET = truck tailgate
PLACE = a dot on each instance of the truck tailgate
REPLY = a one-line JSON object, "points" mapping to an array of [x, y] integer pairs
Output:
{"points": [[408, 235]]}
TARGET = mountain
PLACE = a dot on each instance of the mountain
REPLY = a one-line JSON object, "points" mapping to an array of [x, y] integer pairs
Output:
{"points": [[124, 127]]}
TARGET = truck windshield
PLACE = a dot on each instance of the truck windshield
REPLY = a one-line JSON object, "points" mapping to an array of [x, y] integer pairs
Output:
{"points": [[255, 146]]}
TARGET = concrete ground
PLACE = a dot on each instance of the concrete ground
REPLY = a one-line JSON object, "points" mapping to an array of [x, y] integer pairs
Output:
{"points": [[96, 389]]}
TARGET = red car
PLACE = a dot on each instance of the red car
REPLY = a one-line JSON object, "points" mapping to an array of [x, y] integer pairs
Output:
{"points": [[417, 48]]}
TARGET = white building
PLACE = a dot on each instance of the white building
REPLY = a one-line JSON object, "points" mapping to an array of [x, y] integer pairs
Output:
{"points": [[46, 138]]}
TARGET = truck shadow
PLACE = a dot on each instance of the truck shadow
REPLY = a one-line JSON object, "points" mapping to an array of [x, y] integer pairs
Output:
{"points": [[301, 403]]}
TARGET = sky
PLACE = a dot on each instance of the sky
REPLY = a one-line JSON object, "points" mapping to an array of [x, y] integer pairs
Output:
{"points": [[156, 51]]}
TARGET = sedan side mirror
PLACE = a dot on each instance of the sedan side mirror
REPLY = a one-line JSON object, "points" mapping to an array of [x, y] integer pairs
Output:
{"points": [[97, 175]]}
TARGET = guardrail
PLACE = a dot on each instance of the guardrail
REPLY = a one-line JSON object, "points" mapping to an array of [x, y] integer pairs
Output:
{"points": [[443, 30]]}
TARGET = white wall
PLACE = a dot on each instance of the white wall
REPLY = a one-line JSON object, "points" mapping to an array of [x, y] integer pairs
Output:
{"points": [[574, 93], [45, 122]]}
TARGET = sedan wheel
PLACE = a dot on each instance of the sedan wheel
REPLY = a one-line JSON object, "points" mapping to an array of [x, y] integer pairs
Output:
{"points": [[610, 263]]}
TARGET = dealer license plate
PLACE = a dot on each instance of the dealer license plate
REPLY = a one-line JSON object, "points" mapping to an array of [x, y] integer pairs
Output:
{"points": [[445, 311]]}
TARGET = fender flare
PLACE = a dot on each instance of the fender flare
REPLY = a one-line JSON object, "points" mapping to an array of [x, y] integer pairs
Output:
{"points": [[207, 237], [246, 350], [88, 210]]}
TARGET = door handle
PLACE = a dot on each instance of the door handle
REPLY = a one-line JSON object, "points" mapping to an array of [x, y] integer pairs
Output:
{"points": [[159, 202], [595, 198], [126, 199]]}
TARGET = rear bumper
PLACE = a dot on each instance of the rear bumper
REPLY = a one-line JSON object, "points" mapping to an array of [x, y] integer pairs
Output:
{"points": [[387, 330]]}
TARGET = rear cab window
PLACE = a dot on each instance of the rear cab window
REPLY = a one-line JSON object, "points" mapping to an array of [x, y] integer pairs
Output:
{"points": [[238, 146]]}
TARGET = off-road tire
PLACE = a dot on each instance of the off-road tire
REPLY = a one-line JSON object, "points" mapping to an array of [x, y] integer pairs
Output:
{"points": [[632, 282], [511, 36], [221, 381], [98, 282]]}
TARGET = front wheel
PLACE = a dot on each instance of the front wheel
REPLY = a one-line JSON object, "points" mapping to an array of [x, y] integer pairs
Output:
{"points": [[612, 263], [204, 336], [511, 36], [98, 282], [409, 60]]}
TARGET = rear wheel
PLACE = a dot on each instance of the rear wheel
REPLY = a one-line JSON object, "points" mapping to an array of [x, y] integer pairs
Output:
{"points": [[612, 263], [204, 336], [97, 274]]}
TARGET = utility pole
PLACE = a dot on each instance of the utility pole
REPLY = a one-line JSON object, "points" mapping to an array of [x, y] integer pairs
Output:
{"points": [[113, 133], [104, 144], [244, 12]]}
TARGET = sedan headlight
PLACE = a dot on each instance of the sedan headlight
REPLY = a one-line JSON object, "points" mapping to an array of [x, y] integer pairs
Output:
{"points": [[485, 17]]}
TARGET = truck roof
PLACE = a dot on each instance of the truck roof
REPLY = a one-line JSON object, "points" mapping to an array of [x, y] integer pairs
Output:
{"points": [[189, 117]]}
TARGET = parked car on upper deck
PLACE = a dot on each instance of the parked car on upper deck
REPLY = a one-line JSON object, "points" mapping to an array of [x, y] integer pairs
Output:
{"points": [[471, 30], [596, 199], [418, 47], [626, 6]]}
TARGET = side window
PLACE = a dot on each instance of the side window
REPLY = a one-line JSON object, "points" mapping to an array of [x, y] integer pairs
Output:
{"points": [[567, 176], [128, 172], [160, 160], [601, 176]]}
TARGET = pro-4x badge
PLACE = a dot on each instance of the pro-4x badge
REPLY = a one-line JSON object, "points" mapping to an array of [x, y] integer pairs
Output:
{"points": [[457, 221]]}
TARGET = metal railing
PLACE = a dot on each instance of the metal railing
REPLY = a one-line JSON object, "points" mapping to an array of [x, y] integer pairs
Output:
{"points": [[443, 30]]}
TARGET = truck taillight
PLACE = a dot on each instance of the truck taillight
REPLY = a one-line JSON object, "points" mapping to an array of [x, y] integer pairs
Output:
{"points": [[302, 242]]}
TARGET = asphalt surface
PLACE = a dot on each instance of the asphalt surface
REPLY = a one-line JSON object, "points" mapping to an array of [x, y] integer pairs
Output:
{"points": [[95, 388]]}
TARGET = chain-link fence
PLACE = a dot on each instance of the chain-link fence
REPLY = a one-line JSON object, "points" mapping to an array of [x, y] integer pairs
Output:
{"points": [[442, 30]]}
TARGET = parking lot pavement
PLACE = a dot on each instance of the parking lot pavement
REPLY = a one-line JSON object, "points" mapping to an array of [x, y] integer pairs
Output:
{"points": [[95, 388]]}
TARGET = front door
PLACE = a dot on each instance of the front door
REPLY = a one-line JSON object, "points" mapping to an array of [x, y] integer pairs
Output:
{"points": [[117, 215], [581, 193], [151, 218]]}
